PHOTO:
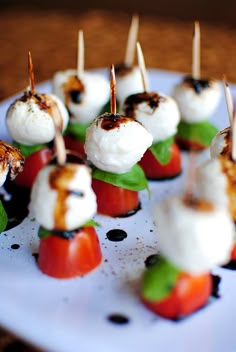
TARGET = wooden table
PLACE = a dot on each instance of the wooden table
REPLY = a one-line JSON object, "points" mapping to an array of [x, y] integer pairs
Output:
{"points": [[51, 36]]}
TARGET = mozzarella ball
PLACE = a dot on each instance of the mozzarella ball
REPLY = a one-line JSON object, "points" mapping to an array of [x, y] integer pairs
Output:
{"points": [[194, 237], [221, 143], [62, 198], [197, 99], [115, 143], [30, 119], [158, 113], [84, 98], [128, 81]]}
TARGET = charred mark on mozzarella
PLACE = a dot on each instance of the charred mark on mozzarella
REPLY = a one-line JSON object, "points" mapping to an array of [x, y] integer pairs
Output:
{"points": [[113, 121], [73, 90], [133, 101], [198, 85]]}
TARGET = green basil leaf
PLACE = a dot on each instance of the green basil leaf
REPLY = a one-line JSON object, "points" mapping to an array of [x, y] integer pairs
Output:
{"points": [[44, 233], [161, 150], [27, 150], [134, 180], [3, 218], [158, 280], [201, 132], [77, 130]]}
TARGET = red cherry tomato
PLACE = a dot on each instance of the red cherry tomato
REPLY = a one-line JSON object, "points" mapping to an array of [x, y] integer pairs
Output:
{"points": [[115, 201], [33, 164], [186, 144], [155, 171], [233, 252], [72, 143], [65, 258], [189, 294]]}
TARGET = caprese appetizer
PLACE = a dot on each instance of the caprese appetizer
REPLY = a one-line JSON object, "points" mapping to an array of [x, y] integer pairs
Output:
{"points": [[199, 236], [30, 122], [11, 163], [114, 144], [197, 99], [84, 93], [69, 244], [159, 114]]}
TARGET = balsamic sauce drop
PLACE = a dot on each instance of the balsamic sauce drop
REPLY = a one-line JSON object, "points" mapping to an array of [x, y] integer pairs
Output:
{"points": [[151, 260], [15, 246], [118, 319], [116, 235]]}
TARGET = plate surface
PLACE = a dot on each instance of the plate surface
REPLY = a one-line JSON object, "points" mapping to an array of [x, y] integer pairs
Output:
{"points": [[73, 315]]}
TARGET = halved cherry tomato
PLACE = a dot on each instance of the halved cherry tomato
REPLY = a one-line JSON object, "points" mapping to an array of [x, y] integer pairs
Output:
{"points": [[72, 143], [189, 294], [155, 171], [186, 144], [33, 164], [64, 258], [115, 201], [233, 252]]}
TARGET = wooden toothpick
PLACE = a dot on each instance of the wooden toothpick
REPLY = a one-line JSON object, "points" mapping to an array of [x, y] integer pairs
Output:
{"points": [[131, 42], [113, 90], [233, 136], [59, 146], [196, 51], [142, 67], [191, 174], [229, 101], [31, 74], [80, 54]]}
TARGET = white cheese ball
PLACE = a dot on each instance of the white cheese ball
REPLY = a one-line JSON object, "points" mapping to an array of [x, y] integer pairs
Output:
{"points": [[161, 121], [30, 123], [115, 143], [211, 183], [196, 107], [94, 95], [193, 240], [128, 81], [221, 143], [73, 197]]}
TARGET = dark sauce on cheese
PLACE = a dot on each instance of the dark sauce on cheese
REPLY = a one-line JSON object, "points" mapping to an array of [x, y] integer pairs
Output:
{"points": [[198, 85], [151, 99]]}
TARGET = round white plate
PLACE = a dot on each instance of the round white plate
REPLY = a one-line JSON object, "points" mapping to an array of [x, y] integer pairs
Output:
{"points": [[72, 315]]}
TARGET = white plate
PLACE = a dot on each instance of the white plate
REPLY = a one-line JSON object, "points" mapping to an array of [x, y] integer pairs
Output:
{"points": [[72, 315]]}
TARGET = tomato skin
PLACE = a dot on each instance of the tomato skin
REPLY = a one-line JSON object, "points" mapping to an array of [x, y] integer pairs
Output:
{"points": [[115, 201], [33, 164], [186, 144], [72, 143], [233, 252], [156, 171], [189, 294], [65, 258]]}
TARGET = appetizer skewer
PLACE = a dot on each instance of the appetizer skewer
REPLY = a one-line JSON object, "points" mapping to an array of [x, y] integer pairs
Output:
{"points": [[197, 99], [84, 94], [160, 115], [30, 123], [114, 144], [69, 245]]}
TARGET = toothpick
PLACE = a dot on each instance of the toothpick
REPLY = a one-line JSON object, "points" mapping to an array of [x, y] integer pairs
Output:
{"points": [[142, 67], [233, 137], [229, 101], [196, 51], [131, 42], [191, 175], [80, 54], [31, 74], [59, 146], [113, 90]]}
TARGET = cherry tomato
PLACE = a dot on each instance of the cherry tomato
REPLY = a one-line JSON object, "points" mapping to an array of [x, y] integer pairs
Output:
{"points": [[115, 201], [189, 294], [186, 144], [72, 143], [233, 252], [64, 258], [155, 171], [33, 164]]}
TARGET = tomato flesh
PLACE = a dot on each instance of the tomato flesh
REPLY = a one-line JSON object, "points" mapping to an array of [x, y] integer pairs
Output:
{"points": [[155, 171], [65, 258], [33, 164], [115, 201], [189, 294], [186, 144], [233, 252], [72, 143]]}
